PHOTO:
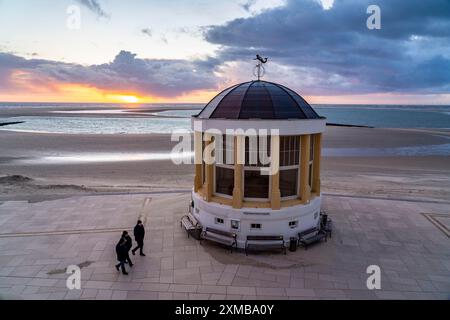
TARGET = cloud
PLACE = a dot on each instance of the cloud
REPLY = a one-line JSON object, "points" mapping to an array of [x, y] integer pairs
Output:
{"points": [[315, 51], [248, 4], [147, 31], [336, 53], [95, 7], [126, 73]]}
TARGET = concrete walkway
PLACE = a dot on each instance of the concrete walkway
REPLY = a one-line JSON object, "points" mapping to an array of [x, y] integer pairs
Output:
{"points": [[39, 240]]}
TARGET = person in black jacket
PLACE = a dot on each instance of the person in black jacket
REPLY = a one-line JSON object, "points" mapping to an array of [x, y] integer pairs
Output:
{"points": [[121, 251], [128, 245], [139, 234]]}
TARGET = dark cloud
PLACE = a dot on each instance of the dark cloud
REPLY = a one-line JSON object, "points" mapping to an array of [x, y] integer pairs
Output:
{"points": [[95, 7], [411, 52], [247, 5], [315, 51], [163, 78], [147, 32]]}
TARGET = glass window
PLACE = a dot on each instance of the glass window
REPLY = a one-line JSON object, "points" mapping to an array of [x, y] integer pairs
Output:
{"points": [[288, 182], [225, 150], [255, 184], [224, 180], [256, 148], [219, 221], [255, 226], [293, 224], [235, 224], [311, 147], [289, 150]]}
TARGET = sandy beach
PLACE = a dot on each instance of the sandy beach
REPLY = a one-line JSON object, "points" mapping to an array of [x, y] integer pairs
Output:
{"points": [[111, 163], [115, 183], [79, 191]]}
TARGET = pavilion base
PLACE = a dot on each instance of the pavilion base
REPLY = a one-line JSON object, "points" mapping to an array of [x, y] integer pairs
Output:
{"points": [[287, 222]]}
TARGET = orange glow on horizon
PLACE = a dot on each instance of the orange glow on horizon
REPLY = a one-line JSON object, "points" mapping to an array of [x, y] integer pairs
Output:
{"points": [[79, 93], [29, 91]]}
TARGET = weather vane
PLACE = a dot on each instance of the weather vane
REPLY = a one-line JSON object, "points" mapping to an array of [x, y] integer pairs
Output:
{"points": [[259, 68]]}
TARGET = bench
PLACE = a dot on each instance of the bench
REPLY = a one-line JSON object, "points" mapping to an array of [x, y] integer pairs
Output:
{"points": [[191, 225], [264, 243], [223, 237], [311, 236]]}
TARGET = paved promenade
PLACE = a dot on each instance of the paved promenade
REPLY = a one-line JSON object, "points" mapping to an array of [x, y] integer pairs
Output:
{"points": [[408, 240]]}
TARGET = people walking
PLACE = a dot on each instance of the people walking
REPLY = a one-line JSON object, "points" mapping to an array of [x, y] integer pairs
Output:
{"points": [[139, 234], [128, 245], [121, 251]]}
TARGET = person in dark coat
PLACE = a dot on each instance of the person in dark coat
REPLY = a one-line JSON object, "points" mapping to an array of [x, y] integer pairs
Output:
{"points": [[128, 245], [121, 251], [139, 234]]}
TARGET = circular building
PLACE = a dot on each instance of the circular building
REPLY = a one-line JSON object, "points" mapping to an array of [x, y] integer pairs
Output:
{"points": [[257, 155]]}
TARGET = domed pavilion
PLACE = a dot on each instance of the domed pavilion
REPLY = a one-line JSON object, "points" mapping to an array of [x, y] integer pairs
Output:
{"points": [[239, 191]]}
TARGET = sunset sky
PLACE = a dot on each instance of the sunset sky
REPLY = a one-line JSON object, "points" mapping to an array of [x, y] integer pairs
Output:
{"points": [[186, 51]]}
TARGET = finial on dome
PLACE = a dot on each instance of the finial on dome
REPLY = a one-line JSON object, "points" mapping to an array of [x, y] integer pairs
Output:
{"points": [[259, 70]]}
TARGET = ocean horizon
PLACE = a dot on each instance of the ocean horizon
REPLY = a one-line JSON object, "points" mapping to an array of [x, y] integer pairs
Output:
{"points": [[121, 121]]}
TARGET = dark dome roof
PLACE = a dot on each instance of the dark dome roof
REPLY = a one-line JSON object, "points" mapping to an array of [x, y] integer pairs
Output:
{"points": [[258, 100]]}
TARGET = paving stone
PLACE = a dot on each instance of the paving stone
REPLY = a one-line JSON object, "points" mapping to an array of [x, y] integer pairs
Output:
{"points": [[165, 296], [296, 292], [119, 295], [241, 290], [212, 289], [89, 294], [142, 295], [199, 296], [104, 294], [270, 292], [327, 293], [182, 288], [391, 295], [91, 284], [413, 254]]}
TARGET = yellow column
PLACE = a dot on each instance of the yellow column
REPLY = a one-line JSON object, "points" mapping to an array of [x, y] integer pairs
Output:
{"points": [[275, 195], [304, 168], [239, 154], [209, 173], [316, 164], [198, 160]]}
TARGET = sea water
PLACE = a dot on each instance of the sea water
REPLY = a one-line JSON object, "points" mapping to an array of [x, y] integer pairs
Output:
{"points": [[380, 116], [76, 122]]}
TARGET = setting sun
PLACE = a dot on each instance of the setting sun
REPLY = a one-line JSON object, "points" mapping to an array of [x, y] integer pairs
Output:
{"points": [[129, 99]]}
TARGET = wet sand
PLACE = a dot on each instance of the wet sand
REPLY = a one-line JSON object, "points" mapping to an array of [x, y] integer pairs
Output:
{"points": [[24, 154], [92, 111]]}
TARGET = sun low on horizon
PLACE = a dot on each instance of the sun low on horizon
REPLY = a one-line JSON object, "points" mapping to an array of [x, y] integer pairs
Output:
{"points": [[74, 93]]}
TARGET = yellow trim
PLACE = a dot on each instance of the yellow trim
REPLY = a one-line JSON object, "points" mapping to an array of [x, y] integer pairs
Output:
{"points": [[209, 173], [255, 204], [238, 169], [198, 160], [304, 168], [275, 195], [316, 163], [222, 200]]}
